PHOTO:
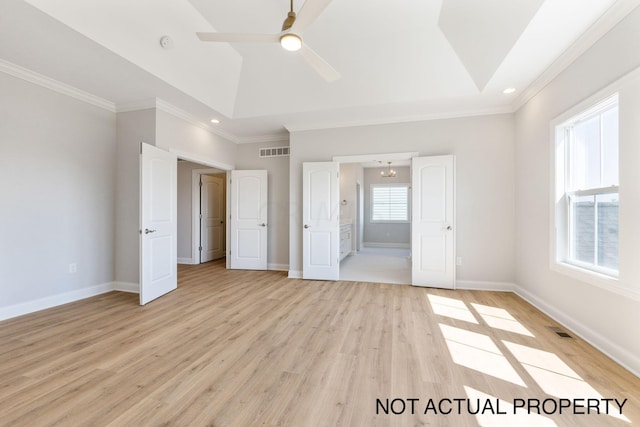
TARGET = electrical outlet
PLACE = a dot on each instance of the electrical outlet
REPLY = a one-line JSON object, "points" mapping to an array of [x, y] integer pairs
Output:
{"points": [[73, 268], [459, 260]]}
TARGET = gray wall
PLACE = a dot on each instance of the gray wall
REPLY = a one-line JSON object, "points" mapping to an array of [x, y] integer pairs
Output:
{"points": [[133, 128], [278, 175], [484, 149], [380, 234], [606, 316], [57, 182], [185, 209]]}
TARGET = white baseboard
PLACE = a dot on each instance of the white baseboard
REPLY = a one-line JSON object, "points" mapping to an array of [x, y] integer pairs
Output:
{"points": [[53, 301], [621, 355], [134, 288], [190, 261], [278, 267], [295, 274], [385, 245], [485, 286]]}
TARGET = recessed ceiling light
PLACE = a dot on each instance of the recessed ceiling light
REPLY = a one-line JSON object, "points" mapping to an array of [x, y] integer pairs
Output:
{"points": [[215, 121], [509, 90]]}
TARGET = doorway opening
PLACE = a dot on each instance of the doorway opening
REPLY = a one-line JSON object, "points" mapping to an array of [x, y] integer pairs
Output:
{"points": [[375, 218], [201, 212]]}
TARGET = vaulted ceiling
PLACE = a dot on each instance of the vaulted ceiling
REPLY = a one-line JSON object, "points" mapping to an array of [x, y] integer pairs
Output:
{"points": [[399, 60]]}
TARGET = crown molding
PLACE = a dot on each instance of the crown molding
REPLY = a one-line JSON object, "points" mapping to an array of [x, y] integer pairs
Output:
{"points": [[55, 85], [169, 108], [602, 26], [402, 119]]}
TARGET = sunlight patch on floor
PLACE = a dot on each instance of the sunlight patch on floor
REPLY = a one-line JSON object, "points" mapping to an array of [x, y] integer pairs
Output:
{"points": [[500, 318], [478, 352], [450, 307]]}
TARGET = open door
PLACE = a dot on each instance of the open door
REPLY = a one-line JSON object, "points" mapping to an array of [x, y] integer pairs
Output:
{"points": [[158, 223], [433, 221], [249, 220], [321, 221], [212, 213]]}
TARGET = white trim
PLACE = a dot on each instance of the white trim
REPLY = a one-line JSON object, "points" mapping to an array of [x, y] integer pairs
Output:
{"points": [[188, 261], [402, 119], [133, 288], [169, 108], [555, 262], [603, 25], [198, 158], [619, 354], [475, 285], [278, 267], [602, 281], [55, 85], [195, 211], [364, 158], [386, 245], [295, 274], [53, 301]]}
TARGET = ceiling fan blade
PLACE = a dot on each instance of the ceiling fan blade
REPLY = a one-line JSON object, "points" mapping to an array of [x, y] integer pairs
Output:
{"points": [[239, 38], [310, 11], [321, 66]]}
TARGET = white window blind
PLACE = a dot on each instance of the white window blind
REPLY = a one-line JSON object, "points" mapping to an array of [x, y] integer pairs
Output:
{"points": [[390, 203]]}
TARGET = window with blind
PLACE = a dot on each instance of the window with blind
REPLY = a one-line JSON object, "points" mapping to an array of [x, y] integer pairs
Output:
{"points": [[390, 203]]}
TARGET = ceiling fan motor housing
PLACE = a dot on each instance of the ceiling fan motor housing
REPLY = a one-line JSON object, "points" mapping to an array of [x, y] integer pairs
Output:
{"points": [[288, 22]]}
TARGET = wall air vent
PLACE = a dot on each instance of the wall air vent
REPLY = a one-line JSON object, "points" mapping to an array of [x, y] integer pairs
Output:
{"points": [[274, 152]]}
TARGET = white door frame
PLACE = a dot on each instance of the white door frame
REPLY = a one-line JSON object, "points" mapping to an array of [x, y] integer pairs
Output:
{"points": [[195, 210], [220, 168]]}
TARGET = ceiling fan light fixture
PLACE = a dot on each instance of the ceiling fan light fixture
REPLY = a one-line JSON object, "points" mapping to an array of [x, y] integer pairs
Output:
{"points": [[290, 42]]}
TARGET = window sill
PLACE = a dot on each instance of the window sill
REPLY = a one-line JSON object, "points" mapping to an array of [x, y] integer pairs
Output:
{"points": [[603, 281]]}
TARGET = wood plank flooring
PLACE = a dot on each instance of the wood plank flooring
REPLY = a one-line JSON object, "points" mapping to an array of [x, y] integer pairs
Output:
{"points": [[247, 348]]}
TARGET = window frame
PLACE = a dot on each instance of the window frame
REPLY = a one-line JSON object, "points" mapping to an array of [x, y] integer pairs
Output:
{"points": [[561, 233], [406, 187]]}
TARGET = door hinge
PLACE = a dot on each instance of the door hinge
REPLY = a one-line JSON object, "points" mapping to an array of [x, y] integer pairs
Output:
{"points": [[200, 248], [200, 216], [200, 183]]}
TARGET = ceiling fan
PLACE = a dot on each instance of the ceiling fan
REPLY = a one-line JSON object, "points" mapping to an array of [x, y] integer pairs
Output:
{"points": [[289, 38]]}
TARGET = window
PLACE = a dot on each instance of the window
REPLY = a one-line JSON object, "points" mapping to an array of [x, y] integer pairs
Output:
{"points": [[389, 203], [587, 189]]}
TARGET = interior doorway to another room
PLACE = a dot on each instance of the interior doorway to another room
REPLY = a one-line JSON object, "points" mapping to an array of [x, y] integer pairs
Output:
{"points": [[379, 243], [202, 206]]}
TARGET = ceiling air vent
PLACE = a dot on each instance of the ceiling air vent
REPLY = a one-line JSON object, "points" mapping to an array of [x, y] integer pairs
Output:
{"points": [[274, 152]]}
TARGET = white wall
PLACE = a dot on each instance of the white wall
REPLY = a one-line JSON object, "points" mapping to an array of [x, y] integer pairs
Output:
{"points": [[57, 183], [278, 188], [607, 319], [484, 149], [381, 233]]}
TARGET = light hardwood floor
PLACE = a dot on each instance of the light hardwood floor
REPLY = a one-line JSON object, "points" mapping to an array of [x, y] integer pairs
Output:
{"points": [[244, 348]]}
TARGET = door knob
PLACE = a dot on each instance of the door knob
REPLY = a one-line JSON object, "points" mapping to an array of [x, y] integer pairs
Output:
{"points": [[221, 222], [449, 228], [263, 225], [306, 226], [147, 231]]}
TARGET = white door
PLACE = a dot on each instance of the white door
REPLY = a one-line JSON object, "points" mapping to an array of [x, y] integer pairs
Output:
{"points": [[320, 221], [158, 224], [433, 221], [212, 208], [249, 221]]}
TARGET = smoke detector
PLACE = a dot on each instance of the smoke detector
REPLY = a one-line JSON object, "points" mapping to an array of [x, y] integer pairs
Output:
{"points": [[166, 42]]}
